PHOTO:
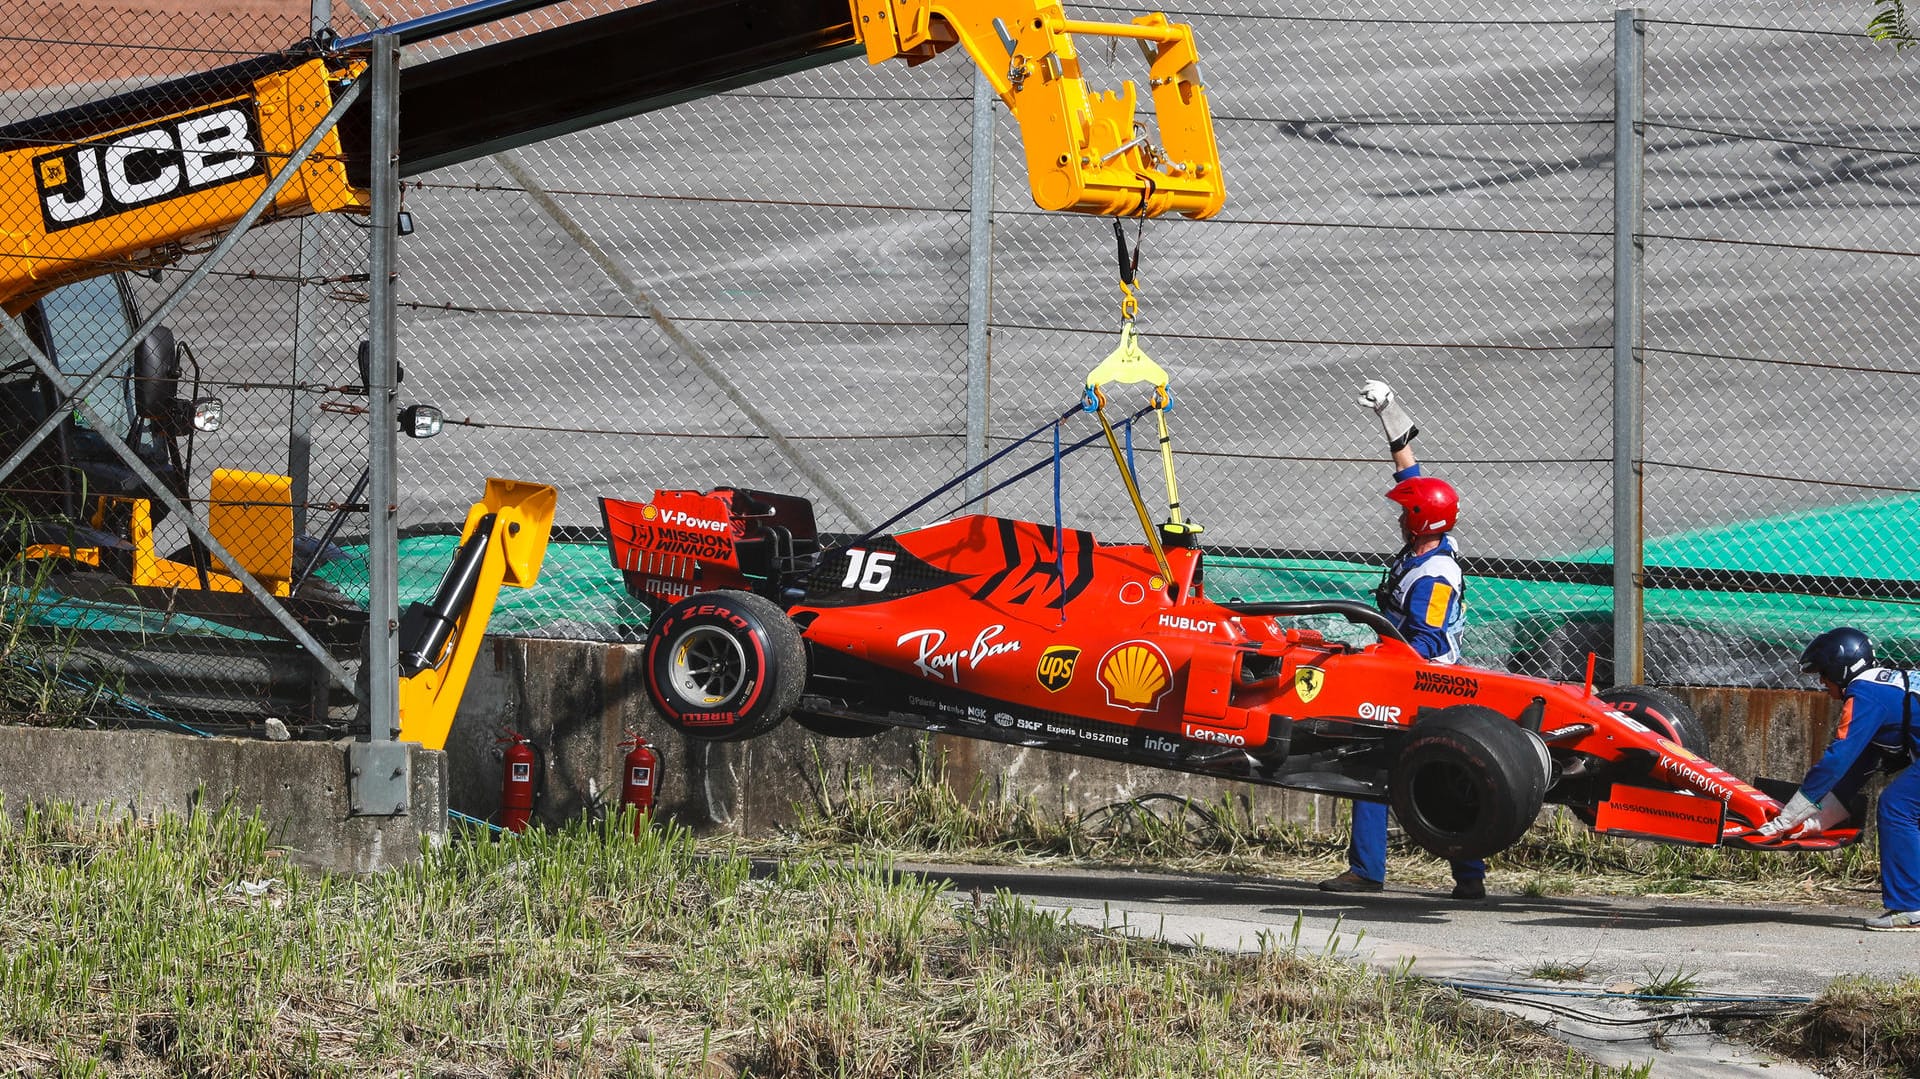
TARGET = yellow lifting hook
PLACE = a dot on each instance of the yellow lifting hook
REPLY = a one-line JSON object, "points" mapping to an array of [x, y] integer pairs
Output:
{"points": [[1129, 363]]}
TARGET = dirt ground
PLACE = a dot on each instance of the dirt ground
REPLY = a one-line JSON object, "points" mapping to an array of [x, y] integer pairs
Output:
{"points": [[49, 42]]}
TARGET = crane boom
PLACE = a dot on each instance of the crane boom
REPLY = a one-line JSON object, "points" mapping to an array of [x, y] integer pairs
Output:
{"points": [[132, 180]]}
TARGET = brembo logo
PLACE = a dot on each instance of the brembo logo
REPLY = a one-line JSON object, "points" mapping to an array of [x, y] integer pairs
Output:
{"points": [[125, 171]]}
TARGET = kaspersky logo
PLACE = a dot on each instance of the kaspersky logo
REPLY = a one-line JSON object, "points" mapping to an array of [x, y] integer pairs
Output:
{"points": [[1056, 666], [179, 156]]}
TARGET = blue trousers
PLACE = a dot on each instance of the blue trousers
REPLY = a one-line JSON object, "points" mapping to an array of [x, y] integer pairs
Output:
{"points": [[1367, 850], [1899, 820]]}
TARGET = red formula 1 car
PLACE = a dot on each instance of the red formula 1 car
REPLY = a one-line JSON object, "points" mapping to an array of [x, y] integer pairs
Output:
{"points": [[1016, 632]]}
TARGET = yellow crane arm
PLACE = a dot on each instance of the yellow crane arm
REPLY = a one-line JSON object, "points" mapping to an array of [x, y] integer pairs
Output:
{"points": [[135, 191], [1086, 152]]}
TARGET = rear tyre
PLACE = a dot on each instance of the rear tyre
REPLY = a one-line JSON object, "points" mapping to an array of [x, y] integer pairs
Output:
{"points": [[1660, 712], [1467, 783], [723, 666]]}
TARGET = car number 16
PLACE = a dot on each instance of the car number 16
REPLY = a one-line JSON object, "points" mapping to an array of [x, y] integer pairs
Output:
{"points": [[869, 571]]}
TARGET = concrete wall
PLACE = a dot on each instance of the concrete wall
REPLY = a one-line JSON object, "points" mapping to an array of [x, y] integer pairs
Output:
{"points": [[576, 700], [300, 788]]}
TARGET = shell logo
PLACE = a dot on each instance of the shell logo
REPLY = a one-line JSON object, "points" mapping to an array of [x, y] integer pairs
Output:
{"points": [[1135, 675], [649, 511]]}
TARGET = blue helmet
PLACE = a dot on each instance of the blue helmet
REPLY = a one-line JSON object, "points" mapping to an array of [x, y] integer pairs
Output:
{"points": [[1838, 654]]}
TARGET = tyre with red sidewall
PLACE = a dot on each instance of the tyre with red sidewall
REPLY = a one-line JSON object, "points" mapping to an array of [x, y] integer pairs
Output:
{"points": [[723, 666], [1467, 783], [1661, 712]]}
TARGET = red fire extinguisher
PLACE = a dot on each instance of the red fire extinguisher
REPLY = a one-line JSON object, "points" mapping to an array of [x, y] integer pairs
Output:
{"points": [[642, 775], [516, 781]]}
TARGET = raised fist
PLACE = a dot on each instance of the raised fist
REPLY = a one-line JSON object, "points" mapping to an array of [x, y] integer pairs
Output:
{"points": [[1394, 421]]}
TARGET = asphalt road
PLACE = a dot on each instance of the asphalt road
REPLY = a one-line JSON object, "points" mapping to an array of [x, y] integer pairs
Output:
{"points": [[1728, 949]]}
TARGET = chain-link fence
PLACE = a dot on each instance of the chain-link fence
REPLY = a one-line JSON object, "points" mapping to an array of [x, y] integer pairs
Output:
{"points": [[770, 288]]}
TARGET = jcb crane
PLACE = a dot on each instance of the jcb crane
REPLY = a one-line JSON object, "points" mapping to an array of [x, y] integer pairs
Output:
{"points": [[130, 181]]}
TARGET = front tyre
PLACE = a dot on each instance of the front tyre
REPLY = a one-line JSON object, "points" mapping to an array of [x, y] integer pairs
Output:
{"points": [[1661, 712], [1467, 783], [723, 666]]}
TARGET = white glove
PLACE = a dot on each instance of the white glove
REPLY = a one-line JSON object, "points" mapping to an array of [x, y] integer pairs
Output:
{"points": [[1394, 420], [1832, 813], [1796, 810]]}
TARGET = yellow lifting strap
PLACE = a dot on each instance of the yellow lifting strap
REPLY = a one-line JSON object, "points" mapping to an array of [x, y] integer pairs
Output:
{"points": [[1129, 363]]}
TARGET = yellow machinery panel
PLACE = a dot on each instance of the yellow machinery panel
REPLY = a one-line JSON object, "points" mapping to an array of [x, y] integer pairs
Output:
{"points": [[251, 514], [133, 196]]}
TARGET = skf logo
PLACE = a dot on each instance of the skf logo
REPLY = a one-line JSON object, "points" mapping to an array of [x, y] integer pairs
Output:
{"points": [[1135, 676], [125, 171], [1056, 666], [1307, 682]]}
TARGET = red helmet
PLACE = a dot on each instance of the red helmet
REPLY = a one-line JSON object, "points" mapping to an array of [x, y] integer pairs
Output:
{"points": [[1429, 505]]}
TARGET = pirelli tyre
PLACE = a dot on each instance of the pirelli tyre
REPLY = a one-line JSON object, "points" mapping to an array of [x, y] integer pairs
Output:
{"points": [[1468, 782], [722, 666], [1660, 712]]}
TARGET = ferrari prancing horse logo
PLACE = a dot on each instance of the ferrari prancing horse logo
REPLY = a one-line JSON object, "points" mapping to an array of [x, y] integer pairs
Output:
{"points": [[1307, 682]]}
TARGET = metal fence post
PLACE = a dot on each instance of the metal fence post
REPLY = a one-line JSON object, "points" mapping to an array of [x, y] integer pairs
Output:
{"points": [[1628, 366], [306, 301], [379, 766], [980, 282]]}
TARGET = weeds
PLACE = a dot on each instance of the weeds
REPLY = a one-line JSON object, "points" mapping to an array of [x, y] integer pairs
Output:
{"points": [[37, 686], [132, 947], [1559, 856], [1858, 1026], [1557, 971], [1661, 982]]}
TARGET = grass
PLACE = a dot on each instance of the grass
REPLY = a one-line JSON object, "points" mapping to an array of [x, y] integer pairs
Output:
{"points": [[1558, 971], [1857, 1027], [1560, 856], [1661, 982], [190, 947], [36, 687]]}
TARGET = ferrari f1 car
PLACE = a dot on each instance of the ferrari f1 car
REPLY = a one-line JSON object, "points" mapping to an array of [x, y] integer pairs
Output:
{"points": [[1017, 632]]}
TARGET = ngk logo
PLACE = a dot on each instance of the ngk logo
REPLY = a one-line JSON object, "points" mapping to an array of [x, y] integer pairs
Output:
{"points": [[687, 520], [121, 172], [1384, 712]]}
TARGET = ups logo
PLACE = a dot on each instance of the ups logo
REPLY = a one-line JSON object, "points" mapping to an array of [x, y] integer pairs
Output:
{"points": [[1056, 666], [130, 169]]}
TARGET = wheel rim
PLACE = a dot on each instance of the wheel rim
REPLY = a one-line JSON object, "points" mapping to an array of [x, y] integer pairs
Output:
{"points": [[1447, 796], [706, 667]]}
